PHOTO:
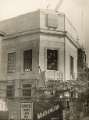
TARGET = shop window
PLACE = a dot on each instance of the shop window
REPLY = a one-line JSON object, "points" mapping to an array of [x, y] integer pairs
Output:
{"points": [[11, 62], [26, 90], [52, 59], [10, 91], [71, 65], [28, 60]]}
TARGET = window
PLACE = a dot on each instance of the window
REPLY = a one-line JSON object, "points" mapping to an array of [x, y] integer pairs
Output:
{"points": [[71, 65], [10, 91], [26, 90], [11, 62], [28, 60], [52, 59]]}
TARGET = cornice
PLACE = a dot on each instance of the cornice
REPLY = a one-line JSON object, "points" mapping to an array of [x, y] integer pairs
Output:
{"points": [[23, 33], [43, 31]]}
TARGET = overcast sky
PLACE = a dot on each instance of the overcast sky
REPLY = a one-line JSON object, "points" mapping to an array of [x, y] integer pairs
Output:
{"points": [[76, 10]]}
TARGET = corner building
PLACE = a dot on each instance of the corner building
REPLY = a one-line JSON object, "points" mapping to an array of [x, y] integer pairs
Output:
{"points": [[36, 48]]}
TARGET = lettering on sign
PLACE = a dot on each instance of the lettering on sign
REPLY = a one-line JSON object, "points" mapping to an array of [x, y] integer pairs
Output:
{"points": [[47, 112], [26, 111]]}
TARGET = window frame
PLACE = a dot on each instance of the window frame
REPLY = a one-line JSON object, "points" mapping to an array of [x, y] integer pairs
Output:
{"points": [[71, 65], [57, 57], [25, 50], [12, 94], [9, 63], [26, 89]]}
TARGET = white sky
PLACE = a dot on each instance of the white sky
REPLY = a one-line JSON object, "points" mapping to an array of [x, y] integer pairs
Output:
{"points": [[76, 10]]}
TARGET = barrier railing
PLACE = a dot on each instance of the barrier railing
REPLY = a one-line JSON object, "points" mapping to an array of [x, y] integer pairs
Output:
{"points": [[54, 75]]}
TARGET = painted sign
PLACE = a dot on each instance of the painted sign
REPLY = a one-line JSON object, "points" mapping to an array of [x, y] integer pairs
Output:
{"points": [[26, 111]]}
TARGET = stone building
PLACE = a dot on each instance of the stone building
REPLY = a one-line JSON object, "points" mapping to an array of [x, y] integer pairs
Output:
{"points": [[35, 48]]}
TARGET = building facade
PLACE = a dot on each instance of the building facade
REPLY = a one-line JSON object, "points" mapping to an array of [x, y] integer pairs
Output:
{"points": [[37, 48]]}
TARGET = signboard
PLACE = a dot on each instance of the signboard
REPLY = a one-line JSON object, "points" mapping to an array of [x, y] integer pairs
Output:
{"points": [[26, 111]]}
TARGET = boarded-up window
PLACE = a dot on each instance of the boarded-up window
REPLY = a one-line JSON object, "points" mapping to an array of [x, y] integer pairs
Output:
{"points": [[28, 60], [11, 62], [26, 90], [10, 91], [52, 59]]}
